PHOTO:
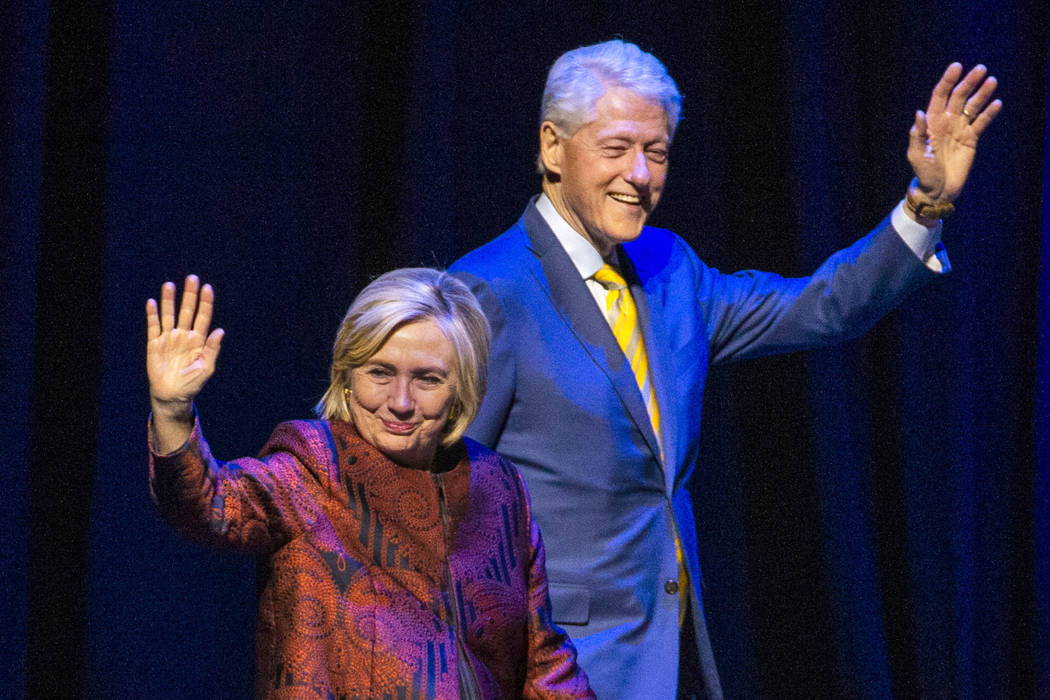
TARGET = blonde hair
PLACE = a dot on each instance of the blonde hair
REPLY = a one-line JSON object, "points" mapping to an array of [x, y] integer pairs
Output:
{"points": [[405, 296]]}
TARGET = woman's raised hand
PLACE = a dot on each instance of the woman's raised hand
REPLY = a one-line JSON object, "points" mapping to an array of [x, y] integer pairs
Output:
{"points": [[180, 355]]}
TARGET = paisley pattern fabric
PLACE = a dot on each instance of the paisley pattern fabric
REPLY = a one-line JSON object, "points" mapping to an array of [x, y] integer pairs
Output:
{"points": [[378, 575]]}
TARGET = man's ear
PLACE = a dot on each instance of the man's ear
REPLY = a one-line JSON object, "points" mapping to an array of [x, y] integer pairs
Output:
{"points": [[552, 148]]}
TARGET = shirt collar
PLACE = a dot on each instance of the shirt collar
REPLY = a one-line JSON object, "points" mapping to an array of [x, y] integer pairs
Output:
{"points": [[583, 255]]}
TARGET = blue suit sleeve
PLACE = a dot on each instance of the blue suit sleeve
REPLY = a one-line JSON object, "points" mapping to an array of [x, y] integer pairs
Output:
{"points": [[752, 314]]}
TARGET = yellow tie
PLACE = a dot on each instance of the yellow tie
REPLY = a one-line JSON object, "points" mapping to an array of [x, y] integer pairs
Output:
{"points": [[623, 319]]}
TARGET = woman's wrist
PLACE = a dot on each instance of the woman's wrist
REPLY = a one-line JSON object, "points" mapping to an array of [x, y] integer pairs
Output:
{"points": [[175, 410], [172, 424]]}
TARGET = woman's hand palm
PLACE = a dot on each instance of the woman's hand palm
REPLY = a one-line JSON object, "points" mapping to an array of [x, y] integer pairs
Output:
{"points": [[180, 357]]}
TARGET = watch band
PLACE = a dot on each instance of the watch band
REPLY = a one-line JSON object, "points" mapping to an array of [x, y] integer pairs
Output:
{"points": [[927, 210]]}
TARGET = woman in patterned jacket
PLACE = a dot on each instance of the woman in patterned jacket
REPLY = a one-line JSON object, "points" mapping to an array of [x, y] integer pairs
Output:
{"points": [[402, 559]]}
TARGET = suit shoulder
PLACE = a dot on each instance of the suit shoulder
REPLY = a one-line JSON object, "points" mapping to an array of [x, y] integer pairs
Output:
{"points": [[655, 241], [494, 258], [658, 250], [494, 271]]}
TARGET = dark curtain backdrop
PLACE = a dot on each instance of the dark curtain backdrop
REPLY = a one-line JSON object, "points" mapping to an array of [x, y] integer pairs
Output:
{"points": [[874, 519]]}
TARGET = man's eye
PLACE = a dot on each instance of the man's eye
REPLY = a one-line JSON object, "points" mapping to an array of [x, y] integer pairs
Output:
{"points": [[657, 155], [614, 151]]}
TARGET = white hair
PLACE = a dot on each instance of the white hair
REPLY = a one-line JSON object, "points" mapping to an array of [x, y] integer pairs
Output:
{"points": [[581, 76]]}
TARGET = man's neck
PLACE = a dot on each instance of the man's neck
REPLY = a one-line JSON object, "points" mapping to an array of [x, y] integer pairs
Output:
{"points": [[554, 194], [582, 254]]}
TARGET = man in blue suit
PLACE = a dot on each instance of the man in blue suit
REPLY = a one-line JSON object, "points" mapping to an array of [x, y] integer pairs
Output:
{"points": [[604, 329]]}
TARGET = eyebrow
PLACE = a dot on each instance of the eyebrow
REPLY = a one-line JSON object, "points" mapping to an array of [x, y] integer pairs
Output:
{"points": [[630, 138], [416, 372]]}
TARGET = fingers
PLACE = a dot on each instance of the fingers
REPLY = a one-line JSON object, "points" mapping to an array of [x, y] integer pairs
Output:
{"points": [[976, 102], [204, 310], [986, 116], [919, 128], [189, 301], [195, 308], [917, 137], [969, 97], [966, 101], [943, 89], [961, 92], [152, 320], [979, 110], [167, 306], [212, 346]]}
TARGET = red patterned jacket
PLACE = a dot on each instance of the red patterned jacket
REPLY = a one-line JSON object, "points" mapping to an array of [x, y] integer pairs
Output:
{"points": [[377, 572]]}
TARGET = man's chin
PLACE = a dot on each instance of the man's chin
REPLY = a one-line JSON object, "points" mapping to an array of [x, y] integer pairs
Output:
{"points": [[623, 232], [627, 233]]}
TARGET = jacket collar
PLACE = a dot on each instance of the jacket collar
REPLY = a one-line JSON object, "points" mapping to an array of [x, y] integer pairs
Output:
{"points": [[567, 291]]}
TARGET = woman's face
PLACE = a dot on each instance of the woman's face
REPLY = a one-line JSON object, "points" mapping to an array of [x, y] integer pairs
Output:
{"points": [[401, 396]]}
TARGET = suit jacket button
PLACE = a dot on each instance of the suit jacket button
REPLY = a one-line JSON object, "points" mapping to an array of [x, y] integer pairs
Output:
{"points": [[671, 587]]}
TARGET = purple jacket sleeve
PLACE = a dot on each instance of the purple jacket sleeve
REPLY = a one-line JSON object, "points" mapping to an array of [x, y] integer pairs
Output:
{"points": [[552, 671], [247, 505]]}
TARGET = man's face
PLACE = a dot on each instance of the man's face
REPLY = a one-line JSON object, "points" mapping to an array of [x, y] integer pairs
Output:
{"points": [[612, 170]]}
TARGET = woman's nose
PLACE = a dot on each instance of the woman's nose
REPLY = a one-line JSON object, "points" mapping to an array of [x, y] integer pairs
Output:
{"points": [[400, 397]]}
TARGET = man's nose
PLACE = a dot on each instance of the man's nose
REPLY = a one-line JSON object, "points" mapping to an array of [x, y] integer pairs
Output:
{"points": [[639, 174]]}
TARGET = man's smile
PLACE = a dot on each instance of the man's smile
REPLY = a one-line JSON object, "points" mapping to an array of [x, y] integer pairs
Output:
{"points": [[626, 198]]}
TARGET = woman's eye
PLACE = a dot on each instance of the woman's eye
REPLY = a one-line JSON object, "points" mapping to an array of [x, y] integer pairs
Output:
{"points": [[378, 373]]}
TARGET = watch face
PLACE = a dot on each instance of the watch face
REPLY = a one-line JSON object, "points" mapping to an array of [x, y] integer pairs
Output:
{"points": [[926, 210], [934, 211]]}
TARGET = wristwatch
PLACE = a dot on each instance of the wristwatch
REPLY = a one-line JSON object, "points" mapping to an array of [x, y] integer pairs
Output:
{"points": [[927, 210]]}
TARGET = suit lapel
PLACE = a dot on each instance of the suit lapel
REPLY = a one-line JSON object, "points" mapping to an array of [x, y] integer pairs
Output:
{"points": [[569, 294], [651, 316]]}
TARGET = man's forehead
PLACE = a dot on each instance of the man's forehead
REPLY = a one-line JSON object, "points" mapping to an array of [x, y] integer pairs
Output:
{"points": [[620, 107], [631, 129], [650, 125]]}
